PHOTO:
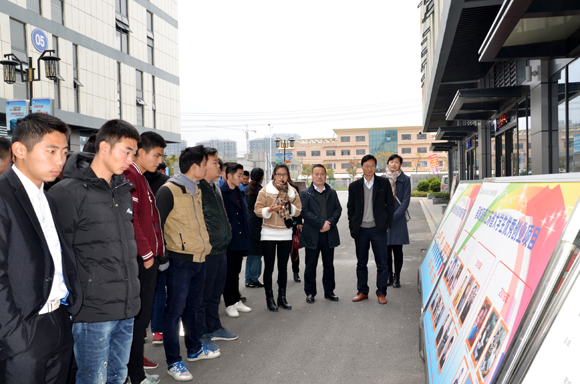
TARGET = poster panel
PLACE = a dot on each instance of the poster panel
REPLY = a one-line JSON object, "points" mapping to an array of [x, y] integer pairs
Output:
{"points": [[440, 248], [493, 270], [15, 109]]}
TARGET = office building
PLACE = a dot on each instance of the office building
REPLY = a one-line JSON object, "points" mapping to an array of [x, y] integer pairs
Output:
{"points": [[226, 148]]}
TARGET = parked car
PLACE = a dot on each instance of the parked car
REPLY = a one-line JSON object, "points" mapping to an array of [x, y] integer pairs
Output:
{"points": [[445, 183]]}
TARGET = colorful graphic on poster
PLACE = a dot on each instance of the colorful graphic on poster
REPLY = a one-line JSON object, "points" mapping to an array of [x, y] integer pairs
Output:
{"points": [[42, 106], [15, 109], [447, 233], [434, 163], [279, 158], [494, 268]]}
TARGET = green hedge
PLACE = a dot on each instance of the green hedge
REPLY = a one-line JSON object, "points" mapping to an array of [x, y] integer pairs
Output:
{"points": [[435, 186], [423, 186], [418, 194]]}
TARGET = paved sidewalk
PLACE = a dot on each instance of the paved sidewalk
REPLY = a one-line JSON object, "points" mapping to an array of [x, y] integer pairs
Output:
{"points": [[324, 342], [433, 212]]}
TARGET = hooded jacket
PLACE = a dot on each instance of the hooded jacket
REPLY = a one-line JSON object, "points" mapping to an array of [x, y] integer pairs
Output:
{"points": [[182, 220], [96, 217]]}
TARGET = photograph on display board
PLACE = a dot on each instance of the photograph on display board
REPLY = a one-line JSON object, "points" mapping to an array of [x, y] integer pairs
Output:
{"points": [[484, 337], [447, 323], [446, 340], [447, 348], [468, 380], [462, 292], [492, 353], [437, 309], [461, 373], [471, 297], [478, 323], [455, 267]]}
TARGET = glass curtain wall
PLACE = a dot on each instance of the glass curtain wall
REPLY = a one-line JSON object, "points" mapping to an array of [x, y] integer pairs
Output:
{"points": [[573, 91]]}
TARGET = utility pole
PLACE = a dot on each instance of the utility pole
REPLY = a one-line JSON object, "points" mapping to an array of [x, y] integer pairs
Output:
{"points": [[270, 160]]}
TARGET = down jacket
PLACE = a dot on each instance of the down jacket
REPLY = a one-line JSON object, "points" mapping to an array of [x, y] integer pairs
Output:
{"points": [[96, 218]]}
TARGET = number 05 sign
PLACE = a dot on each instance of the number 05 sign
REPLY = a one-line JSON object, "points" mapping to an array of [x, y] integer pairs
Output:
{"points": [[39, 40]]}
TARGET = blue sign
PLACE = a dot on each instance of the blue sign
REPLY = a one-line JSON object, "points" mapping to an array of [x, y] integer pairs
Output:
{"points": [[15, 110], [279, 158], [42, 106], [468, 144], [289, 158], [577, 143], [39, 40]]}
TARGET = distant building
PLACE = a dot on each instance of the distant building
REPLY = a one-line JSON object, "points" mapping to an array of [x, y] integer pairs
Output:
{"points": [[175, 148], [226, 148], [263, 144]]}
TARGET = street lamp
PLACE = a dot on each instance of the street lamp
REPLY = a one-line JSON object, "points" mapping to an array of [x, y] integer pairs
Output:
{"points": [[12, 61], [284, 143]]}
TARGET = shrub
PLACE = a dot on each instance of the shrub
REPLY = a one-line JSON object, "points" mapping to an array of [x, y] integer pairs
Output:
{"points": [[418, 194], [442, 195], [435, 186], [431, 179], [423, 186]]}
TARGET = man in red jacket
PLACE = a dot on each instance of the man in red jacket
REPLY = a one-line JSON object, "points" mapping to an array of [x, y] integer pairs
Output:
{"points": [[149, 245]]}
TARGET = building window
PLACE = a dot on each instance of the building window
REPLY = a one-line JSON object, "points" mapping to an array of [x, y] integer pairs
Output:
{"points": [[345, 152], [345, 165], [18, 43], [122, 22], [119, 90], [149, 22], [315, 153], [383, 140], [440, 163], [150, 51], [153, 105], [121, 7], [405, 137], [301, 153], [150, 39], [360, 138], [360, 151], [56, 10], [330, 166], [139, 93], [122, 40], [330, 153], [422, 163], [405, 150], [56, 82], [421, 136], [76, 82], [345, 139], [406, 164], [33, 5], [422, 150]]}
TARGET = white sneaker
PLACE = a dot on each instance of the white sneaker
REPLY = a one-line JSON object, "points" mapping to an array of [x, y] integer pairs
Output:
{"points": [[241, 307], [179, 371], [231, 311]]}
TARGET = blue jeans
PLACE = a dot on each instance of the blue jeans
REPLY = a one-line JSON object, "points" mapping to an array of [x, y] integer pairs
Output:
{"points": [[366, 238], [208, 318], [102, 351], [185, 283], [159, 303], [253, 268]]}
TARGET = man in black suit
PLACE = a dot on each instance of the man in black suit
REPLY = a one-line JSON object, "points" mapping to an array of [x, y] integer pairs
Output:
{"points": [[39, 286], [370, 206]]}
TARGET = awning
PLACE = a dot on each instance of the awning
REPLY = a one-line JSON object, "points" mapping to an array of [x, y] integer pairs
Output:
{"points": [[482, 103], [455, 133], [533, 29], [445, 146]]}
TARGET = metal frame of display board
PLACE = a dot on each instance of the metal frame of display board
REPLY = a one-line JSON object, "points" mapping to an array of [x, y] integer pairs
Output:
{"points": [[543, 304]]}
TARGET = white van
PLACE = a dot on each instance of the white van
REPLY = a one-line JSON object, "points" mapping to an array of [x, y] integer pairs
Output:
{"points": [[445, 183]]}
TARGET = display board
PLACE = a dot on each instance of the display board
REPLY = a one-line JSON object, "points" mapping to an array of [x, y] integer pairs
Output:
{"points": [[494, 268], [449, 228]]}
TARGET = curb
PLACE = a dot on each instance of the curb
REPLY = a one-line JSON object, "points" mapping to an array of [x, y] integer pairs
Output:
{"points": [[429, 217]]}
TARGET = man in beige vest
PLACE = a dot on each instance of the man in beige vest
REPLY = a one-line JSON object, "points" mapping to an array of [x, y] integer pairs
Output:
{"points": [[187, 242]]}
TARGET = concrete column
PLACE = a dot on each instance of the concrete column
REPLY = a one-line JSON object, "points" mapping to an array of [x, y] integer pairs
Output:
{"points": [[544, 142], [461, 160], [484, 150], [75, 141]]}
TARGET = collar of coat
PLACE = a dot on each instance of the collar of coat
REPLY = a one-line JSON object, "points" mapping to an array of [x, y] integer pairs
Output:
{"points": [[271, 190]]}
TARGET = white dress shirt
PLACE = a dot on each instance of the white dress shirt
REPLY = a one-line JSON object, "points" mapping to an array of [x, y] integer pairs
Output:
{"points": [[369, 184], [58, 291], [318, 190]]}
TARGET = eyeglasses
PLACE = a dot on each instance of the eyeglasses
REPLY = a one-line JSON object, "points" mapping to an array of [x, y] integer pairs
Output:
{"points": [[369, 167], [281, 174]]}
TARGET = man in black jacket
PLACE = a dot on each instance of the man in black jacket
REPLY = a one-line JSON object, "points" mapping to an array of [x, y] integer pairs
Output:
{"points": [[371, 206], [96, 211], [209, 325], [321, 211], [39, 286]]}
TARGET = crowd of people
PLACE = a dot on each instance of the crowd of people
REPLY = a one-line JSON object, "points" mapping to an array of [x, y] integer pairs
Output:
{"points": [[96, 245]]}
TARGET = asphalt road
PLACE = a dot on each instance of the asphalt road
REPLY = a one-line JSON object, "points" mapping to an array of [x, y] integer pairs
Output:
{"points": [[324, 342]]}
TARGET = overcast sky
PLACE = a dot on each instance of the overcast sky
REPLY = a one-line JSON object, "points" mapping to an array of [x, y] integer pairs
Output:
{"points": [[304, 67]]}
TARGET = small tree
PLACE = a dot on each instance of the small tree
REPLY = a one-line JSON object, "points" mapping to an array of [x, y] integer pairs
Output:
{"points": [[170, 160], [330, 174], [423, 186], [435, 186], [307, 171], [352, 169], [382, 160]]}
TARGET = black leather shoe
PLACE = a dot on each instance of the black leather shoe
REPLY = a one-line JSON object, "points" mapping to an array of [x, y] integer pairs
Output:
{"points": [[282, 299], [310, 299], [297, 278], [397, 281], [257, 284], [390, 280], [270, 303], [331, 296]]}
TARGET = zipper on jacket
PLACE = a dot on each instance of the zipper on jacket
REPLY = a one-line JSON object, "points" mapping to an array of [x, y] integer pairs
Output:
{"points": [[182, 243]]}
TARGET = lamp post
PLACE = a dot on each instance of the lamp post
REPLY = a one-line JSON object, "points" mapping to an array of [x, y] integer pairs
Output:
{"points": [[12, 61], [284, 143]]}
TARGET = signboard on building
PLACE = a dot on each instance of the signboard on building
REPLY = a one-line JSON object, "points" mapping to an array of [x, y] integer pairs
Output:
{"points": [[492, 273], [43, 106], [39, 40], [577, 143], [279, 158], [448, 231], [15, 109], [289, 158], [434, 163]]}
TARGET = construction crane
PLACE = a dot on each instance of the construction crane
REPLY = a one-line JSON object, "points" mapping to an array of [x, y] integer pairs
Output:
{"points": [[247, 130]]}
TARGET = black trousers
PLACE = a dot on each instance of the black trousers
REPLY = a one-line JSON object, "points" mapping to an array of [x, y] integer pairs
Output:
{"points": [[232, 286], [295, 257], [327, 266], [397, 250], [148, 280], [366, 238], [47, 359], [270, 249]]}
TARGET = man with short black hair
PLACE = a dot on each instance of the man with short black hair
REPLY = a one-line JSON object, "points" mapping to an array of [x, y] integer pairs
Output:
{"points": [[39, 284], [96, 207], [321, 211], [371, 206], [246, 178], [149, 246], [235, 203], [187, 243], [5, 154]]}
